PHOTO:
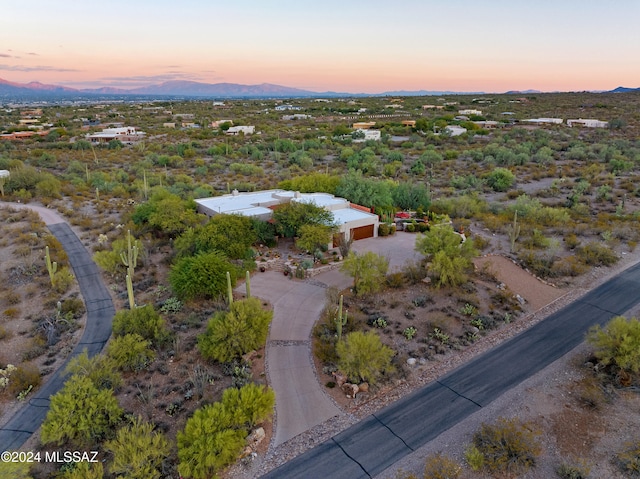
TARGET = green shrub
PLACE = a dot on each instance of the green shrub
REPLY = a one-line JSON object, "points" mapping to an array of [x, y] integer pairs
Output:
{"points": [[144, 321], [62, 280], [130, 352], [231, 334], [566, 471], [596, 254], [15, 470], [507, 446], [501, 179], [100, 369], [82, 470], [363, 357], [618, 343], [474, 458], [441, 467], [383, 229], [201, 276]]}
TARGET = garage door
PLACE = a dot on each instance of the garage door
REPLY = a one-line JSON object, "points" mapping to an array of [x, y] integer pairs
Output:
{"points": [[362, 232]]}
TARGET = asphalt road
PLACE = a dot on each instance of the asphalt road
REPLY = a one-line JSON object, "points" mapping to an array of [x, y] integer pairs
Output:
{"points": [[369, 447], [97, 331]]}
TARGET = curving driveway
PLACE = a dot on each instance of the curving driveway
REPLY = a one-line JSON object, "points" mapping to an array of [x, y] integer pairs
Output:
{"points": [[97, 330], [301, 402]]}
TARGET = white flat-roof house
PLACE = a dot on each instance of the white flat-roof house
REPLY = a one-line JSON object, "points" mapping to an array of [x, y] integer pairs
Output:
{"points": [[126, 134], [588, 123], [543, 121], [470, 112], [236, 130], [373, 135], [354, 221]]}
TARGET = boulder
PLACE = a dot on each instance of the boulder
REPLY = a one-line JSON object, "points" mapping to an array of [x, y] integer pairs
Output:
{"points": [[412, 361], [256, 436], [340, 378], [363, 388], [350, 390]]}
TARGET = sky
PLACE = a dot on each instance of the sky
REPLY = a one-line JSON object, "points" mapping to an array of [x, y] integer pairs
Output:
{"points": [[356, 46]]}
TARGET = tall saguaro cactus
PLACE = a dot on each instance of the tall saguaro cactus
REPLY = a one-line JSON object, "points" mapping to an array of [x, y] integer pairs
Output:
{"points": [[340, 321], [130, 260], [229, 289], [51, 267], [247, 284], [513, 230]]}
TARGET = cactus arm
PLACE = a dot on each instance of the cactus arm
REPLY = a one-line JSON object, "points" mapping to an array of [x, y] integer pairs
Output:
{"points": [[132, 301], [229, 289], [248, 284]]}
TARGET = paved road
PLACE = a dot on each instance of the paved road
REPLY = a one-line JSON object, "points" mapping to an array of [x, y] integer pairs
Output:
{"points": [[369, 447], [301, 402], [97, 331]]}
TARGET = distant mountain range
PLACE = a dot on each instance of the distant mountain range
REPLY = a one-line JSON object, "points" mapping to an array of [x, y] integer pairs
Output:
{"points": [[191, 89]]}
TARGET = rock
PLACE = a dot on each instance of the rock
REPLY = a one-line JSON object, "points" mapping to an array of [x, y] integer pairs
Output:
{"points": [[412, 361], [520, 299], [422, 361], [501, 286], [246, 452], [256, 437], [350, 390], [474, 330], [340, 378], [363, 388]]}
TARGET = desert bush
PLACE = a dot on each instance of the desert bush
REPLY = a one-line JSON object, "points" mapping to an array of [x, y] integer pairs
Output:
{"points": [[24, 377], [441, 467], [11, 313], [80, 414], [395, 280], [144, 321], [507, 446], [130, 352], [618, 343], [100, 369], [231, 334], [629, 460], [567, 471], [501, 179], [62, 280], [12, 297], [82, 470], [138, 451], [414, 272], [596, 254], [201, 276], [73, 307], [15, 470], [368, 271], [363, 357]]}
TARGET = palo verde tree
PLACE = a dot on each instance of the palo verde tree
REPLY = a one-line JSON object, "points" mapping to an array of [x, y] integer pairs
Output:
{"points": [[138, 451], [618, 343], [215, 435], [290, 217], [450, 256], [368, 271], [231, 334], [80, 414], [363, 357], [201, 276]]}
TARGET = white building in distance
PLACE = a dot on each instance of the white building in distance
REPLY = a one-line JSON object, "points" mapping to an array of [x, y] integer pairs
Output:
{"points": [[588, 123], [236, 130], [126, 134]]}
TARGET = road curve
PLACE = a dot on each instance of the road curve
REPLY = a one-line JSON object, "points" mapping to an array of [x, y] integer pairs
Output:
{"points": [[375, 443], [100, 311]]}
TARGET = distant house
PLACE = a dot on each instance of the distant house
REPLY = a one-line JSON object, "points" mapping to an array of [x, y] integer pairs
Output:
{"points": [[287, 107], [432, 107], [470, 112], [543, 121], [363, 125], [236, 130], [296, 116], [219, 123], [369, 135], [127, 135], [588, 123], [487, 125], [169, 124], [356, 222], [455, 130], [410, 123], [184, 116]]}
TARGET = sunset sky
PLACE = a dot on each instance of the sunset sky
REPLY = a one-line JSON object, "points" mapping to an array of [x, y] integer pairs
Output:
{"points": [[347, 46]]}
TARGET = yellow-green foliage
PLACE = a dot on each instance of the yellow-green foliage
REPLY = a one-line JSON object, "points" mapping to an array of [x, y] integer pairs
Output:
{"points": [[15, 470], [100, 369], [618, 343], [215, 435], [62, 280], [441, 467], [82, 470], [80, 414], [138, 451], [24, 376], [230, 335], [130, 352], [363, 357], [368, 271], [144, 321], [629, 459], [507, 446]]}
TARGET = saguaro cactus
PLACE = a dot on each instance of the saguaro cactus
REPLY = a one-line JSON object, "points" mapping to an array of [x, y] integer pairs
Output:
{"points": [[513, 231], [340, 321], [229, 289], [247, 284], [130, 260], [51, 267]]}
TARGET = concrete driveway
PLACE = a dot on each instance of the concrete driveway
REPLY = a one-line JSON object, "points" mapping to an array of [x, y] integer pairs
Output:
{"points": [[301, 402], [398, 248]]}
